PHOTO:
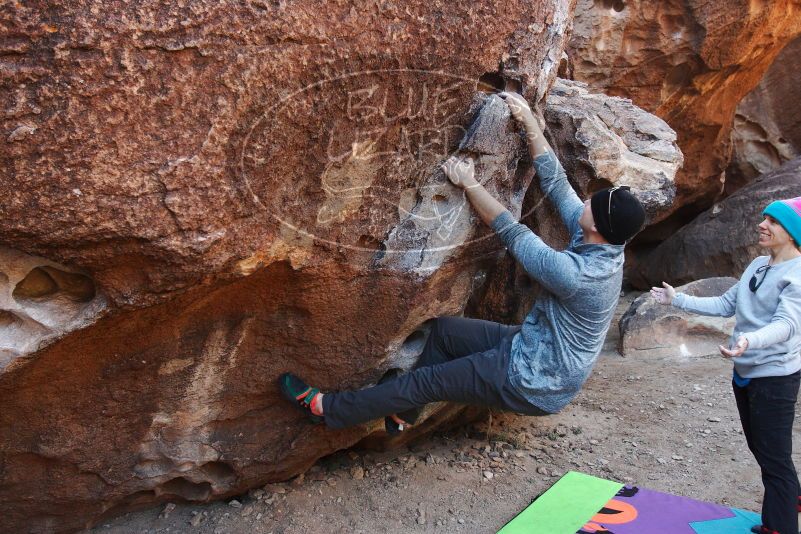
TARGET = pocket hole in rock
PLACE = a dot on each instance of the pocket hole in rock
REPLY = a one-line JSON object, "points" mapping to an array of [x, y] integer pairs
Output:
{"points": [[185, 489], [679, 76], [617, 5], [515, 86], [491, 82], [46, 281], [390, 374], [369, 242], [134, 501], [413, 345], [380, 253], [218, 471], [415, 340], [597, 185], [8, 319], [409, 350]]}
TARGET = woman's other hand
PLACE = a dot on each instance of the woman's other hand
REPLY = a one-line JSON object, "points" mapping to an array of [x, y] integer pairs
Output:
{"points": [[736, 350]]}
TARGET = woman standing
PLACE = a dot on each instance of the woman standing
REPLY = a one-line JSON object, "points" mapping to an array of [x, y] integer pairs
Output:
{"points": [[765, 351]]}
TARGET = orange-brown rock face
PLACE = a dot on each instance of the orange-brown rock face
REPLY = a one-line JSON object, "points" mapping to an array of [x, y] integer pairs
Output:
{"points": [[158, 147], [689, 62], [767, 125], [200, 197], [177, 401]]}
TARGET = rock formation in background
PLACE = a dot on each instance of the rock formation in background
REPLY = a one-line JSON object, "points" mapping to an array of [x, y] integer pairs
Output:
{"points": [[767, 125], [690, 63], [723, 240], [200, 197], [651, 330], [606, 141]]}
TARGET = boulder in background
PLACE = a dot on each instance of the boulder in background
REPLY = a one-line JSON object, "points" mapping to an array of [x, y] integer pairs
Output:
{"points": [[651, 330], [690, 62], [723, 240]]}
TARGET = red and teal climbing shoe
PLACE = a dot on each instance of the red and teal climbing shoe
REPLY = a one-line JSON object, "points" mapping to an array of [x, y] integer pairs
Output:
{"points": [[300, 394]]}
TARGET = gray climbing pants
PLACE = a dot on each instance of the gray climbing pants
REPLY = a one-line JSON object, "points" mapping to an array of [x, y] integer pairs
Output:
{"points": [[464, 361]]}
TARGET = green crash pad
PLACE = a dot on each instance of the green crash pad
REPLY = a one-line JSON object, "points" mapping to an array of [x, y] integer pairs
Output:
{"points": [[564, 508]]}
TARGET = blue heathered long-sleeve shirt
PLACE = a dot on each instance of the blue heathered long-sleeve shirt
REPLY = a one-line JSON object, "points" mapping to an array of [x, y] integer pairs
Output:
{"points": [[562, 335]]}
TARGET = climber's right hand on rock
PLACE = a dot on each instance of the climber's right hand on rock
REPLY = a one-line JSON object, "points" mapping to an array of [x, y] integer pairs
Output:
{"points": [[663, 295], [519, 108], [460, 170]]}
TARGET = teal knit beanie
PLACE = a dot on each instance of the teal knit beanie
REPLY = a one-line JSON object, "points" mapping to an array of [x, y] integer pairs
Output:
{"points": [[788, 214]]}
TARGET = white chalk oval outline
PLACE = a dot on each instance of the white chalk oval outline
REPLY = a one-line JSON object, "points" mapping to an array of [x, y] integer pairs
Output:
{"points": [[255, 198]]}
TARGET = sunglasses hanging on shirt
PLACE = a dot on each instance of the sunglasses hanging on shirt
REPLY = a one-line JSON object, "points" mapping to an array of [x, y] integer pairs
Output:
{"points": [[753, 285]]}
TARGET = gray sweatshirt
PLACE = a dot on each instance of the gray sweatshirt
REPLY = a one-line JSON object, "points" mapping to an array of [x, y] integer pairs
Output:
{"points": [[769, 318], [561, 337]]}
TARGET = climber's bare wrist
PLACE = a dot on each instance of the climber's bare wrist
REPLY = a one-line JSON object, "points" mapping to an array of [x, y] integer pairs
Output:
{"points": [[530, 124], [469, 184], [537, 144]]}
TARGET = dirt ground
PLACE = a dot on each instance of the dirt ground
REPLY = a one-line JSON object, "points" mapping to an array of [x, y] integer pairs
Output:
{"points": [[669, 425]]}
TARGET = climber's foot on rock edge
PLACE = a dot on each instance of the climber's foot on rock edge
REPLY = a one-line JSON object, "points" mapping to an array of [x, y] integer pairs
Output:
{"points": [[306, 398]]}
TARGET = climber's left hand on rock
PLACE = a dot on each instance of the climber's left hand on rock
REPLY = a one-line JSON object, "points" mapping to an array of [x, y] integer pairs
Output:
{"points": [[461, 171]]}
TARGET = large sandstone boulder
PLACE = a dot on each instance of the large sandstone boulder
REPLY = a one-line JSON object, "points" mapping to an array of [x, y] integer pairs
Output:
{"points": [[199, 197], [690, 63], [160, 147], [723, 240], [651, 330], [767, 125]]}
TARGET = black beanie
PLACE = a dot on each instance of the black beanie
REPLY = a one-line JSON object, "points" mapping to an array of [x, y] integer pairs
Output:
{"points": [[618, 214]]}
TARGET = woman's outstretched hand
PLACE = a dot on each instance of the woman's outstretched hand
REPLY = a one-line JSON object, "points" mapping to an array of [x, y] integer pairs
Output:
{"points": [[663, 295], [737, 350]]}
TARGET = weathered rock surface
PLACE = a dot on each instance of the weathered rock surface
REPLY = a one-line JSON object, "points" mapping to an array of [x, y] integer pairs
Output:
{"points": [[609, 141], [723, 240], [41, 301], [222, 192], [651, 330], [690, 63], [174, 113], [202, 197], [767, 125]]}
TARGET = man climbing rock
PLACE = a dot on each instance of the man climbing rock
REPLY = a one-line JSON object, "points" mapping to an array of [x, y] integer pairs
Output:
{"points": [[535, 368]]}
